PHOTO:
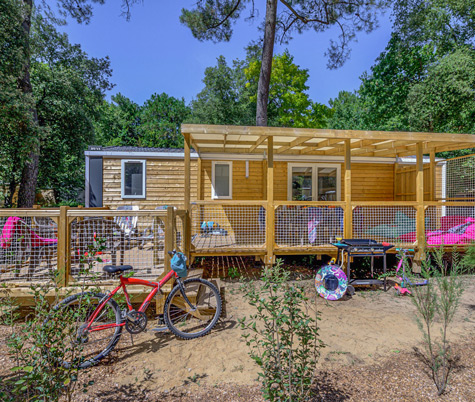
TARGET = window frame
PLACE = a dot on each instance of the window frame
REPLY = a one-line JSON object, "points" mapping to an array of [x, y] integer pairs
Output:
{"points": [[214, 196], [144, 178], [315, 167]]}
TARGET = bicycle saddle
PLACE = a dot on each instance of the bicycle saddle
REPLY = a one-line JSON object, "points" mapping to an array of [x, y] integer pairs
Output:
{"points": [[112, 269]]}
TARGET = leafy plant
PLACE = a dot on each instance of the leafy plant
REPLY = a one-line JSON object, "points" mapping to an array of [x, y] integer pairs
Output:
{"points": [[436, 304], [282, 336], [46, 338], [469, 258], [233, 273]]}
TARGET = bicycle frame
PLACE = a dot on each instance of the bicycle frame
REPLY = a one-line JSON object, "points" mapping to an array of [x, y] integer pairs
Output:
{"points": [[123, 285]]}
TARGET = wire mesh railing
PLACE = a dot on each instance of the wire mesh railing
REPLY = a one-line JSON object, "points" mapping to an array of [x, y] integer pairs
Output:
{"points": [[218, 225], [459, 183], [450, 223], [135, 238], [28, 245], [300, 224], [385, 223]]}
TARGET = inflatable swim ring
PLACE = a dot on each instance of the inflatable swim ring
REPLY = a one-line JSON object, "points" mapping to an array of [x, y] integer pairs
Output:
{"points": [[331, 282]]}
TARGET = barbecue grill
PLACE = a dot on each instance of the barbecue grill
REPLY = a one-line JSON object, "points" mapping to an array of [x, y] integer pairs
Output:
{"points": [[354, 248]]}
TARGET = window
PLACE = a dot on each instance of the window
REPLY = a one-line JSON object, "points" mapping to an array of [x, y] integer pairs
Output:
{"points": [[314, 182], [221, 181], [133, 179]]}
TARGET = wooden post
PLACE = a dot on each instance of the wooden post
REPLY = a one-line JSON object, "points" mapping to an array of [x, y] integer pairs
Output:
{"points": [[170, 235], [187, 218], [199, 189], [270, 213], [348, 223], [420, 218], [63, 247], [432, 176]]}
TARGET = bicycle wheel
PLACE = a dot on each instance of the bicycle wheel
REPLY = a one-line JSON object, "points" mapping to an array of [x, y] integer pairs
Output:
{"points": [[85, 347], [187, 322]]}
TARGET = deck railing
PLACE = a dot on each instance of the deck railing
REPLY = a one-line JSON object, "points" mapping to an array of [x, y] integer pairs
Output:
{"points": [[38, 245], [392, 221], [225, 225], [307, 224], [44, 245]]}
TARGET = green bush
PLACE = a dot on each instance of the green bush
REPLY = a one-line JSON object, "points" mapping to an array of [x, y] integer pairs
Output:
{"points": [[436, 304], [39, 344], [282, 336]]}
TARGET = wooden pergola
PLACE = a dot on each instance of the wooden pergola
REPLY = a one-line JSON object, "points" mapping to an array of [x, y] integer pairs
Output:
{"points": [[270, 141]]}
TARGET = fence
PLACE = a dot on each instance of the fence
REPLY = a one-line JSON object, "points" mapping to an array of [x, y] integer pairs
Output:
{"points": [[224, 225], [308, 224], [42, 245], [391, 222]]}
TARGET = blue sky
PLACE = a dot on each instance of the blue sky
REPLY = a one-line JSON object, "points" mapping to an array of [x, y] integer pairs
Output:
{"points": [[153, 52]]}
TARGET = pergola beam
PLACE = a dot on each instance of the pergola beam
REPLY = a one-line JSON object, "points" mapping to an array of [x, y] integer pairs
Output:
{"points": [[261, 139], [294, 143], [321, 144], [327, 133]]}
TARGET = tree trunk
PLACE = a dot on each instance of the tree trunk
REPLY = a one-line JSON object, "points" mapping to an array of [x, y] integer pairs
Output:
{"points": [[266, 65], [29, 176]]}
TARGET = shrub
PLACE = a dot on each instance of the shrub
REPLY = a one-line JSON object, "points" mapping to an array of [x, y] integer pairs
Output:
{"points": [[40, 343], [436, 304], [282, 336]]}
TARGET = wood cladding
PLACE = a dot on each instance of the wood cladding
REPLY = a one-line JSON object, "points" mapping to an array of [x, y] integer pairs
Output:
{"points": [[165, 183]]}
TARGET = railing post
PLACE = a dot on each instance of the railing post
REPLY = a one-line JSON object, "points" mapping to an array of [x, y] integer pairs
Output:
{"points": [[420, 218], [170, 234], [270, 212], [187, 200], [63, 251], [348, 221]]}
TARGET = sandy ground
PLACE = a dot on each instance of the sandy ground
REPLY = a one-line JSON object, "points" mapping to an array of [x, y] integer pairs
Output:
{"points": [[371, 329]]}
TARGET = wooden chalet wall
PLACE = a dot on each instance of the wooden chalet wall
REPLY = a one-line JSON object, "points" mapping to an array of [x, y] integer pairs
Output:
{"points": [[405, 183], [165, 183], [370, 181]]}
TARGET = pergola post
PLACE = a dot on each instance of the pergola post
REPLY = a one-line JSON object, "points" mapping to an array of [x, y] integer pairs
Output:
{"points": [[348, 221], [432, 176], [187, 223], [270, 215], [420, 218]]}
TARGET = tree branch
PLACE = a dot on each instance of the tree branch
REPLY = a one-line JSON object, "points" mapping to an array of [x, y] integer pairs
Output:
{"points": [[227, 16], [303, 19]]}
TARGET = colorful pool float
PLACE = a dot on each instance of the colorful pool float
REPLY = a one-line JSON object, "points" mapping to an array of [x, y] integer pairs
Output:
{"points": [[331, 282]]}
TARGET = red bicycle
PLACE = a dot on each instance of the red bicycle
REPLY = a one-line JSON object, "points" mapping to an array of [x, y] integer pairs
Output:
{"points": [[191, 310]]}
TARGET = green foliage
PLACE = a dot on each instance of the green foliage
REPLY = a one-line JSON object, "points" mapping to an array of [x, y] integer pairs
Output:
{"points": [[289, 103], [436, 304], [40, 344], [444, 24], [347, 112], [468, 259], [17, 129], [282, 336], [233, 273], [230, 94], [161, 117], [223, 99], [444, 101], [118, 122], [67, 86]]}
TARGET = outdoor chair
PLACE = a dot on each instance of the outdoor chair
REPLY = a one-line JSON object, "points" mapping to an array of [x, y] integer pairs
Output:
{"points": [[82, 235], [128, 224], [156, 231]]}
